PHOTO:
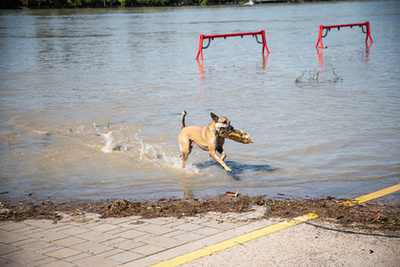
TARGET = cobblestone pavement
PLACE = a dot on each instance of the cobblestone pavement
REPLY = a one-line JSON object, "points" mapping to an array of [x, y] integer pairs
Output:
{"points": [[131, 241]]}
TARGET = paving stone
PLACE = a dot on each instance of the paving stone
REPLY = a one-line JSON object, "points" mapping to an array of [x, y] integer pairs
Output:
{"points": [[91, 247], [210, 240], [196, 219], [96, 236], [143, 262], [163, 241], [62, 227], [132, 224], [77, 257], [88, 224], [148, 249], [113, 241], [143, 237], [155, 229], [42, 262], [117, 231], [69, 241], [188, 227], [188, 237], [58, 263], [116, 221], [28, 229], [12, 226], [160, 220], [175, 233], [105, 227], [4, 261], [207, 231], [128, 244], [44, 224], [123, 219], [220, 225], [5, 249], [9, 237], [110, 253], [125, 257], [63, 253], [47, 236], [131, 234], [24, 242], [48, 249], [36, 245], [97, 261], [74, 231], [253, 226], [175, 223], [24, 257], [178, 251]]}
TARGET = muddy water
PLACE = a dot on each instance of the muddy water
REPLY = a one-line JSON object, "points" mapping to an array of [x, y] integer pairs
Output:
{"points": [[130, 73]]}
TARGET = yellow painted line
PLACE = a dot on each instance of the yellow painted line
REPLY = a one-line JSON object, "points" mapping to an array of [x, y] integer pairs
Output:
{"points": [[266, 231], [235, 241], [373, 195]]}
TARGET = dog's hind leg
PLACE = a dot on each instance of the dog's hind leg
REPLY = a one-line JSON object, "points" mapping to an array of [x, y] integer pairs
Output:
{"points": [[185, 155], [186, 148]]}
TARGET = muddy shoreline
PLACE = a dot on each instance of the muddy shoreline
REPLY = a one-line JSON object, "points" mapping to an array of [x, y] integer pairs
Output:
{"points": [[374, 215]]}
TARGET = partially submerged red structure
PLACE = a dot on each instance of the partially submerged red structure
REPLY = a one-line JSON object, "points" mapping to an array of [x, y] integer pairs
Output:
{"points": [[328, 28], [211, 37]]}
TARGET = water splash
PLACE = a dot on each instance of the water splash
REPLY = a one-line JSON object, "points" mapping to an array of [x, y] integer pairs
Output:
{"points": [[111, 144], [154, 153], [164, 156]]}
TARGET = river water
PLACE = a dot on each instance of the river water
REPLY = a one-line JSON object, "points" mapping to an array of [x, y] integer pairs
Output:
{"points": [[323, 122]]}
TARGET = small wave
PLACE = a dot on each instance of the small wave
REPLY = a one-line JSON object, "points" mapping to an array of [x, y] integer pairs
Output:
{"points": [[164, 156]]}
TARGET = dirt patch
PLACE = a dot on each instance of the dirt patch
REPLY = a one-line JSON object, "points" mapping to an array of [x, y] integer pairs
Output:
{"points": [[371, 215]]}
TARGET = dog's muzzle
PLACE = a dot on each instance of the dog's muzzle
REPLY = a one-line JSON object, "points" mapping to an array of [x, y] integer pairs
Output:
{"points": [[226, 129]]}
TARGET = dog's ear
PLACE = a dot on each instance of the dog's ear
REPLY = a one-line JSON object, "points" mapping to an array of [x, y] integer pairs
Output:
{"points": [[214, 117]]}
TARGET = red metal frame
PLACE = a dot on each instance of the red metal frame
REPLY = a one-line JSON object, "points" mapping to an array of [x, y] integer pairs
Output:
{"points": [[211, 37], [322, 27]]}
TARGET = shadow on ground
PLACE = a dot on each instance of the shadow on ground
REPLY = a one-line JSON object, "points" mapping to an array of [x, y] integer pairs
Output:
{"points": [[238, 167]]}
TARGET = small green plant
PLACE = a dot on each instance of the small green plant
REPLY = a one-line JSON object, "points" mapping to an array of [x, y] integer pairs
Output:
{"points": [[269, 202], [257, 200]]}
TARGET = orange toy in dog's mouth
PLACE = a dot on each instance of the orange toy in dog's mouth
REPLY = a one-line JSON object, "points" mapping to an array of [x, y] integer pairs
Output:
{"points": [[236, 135]]}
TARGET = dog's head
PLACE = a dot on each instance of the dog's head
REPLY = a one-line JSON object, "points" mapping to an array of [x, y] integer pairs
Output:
{"points": [[221, 123]]}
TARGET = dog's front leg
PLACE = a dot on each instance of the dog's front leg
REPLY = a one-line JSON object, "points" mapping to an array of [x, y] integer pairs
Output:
{"points": [[223, 155], [222, 152], [214, 155]]}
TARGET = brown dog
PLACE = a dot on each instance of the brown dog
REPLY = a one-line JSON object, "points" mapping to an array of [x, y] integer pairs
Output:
{"points": [[207, 138]]}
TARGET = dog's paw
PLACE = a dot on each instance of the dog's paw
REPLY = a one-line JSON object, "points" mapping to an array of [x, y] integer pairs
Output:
{"points": [[228, 169]]}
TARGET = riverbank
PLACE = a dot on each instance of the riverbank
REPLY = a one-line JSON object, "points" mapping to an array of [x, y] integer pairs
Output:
{"points": [[373, 215], [47, 4]]}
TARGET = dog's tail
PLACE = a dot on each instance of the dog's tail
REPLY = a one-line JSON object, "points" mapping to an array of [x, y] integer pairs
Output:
{"points": [[183, 125]]}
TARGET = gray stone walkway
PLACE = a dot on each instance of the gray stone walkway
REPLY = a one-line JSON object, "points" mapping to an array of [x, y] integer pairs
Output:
{"points": [[131, 241]]}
